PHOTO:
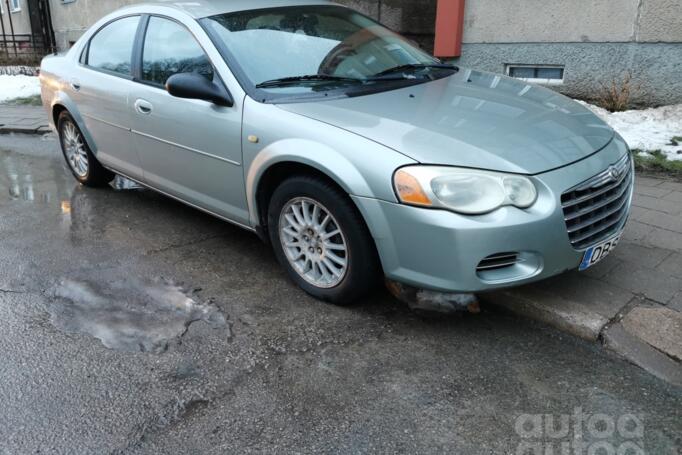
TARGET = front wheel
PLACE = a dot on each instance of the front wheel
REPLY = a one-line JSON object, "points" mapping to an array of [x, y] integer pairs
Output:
{"points": [[82, 163], [322, 241]]}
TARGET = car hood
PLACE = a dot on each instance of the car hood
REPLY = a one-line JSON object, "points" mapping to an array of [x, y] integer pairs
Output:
{"points": [[471, 119]]}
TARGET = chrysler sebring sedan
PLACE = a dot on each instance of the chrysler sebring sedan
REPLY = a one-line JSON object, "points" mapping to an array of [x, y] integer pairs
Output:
{"points": [[355, 154]]}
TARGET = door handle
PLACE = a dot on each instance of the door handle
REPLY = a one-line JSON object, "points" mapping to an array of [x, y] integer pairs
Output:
{"points": [[75, 84], [143, 107]]}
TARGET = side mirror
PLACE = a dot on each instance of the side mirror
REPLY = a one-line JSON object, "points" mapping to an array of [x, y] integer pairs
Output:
{"points": [[196, 87]]}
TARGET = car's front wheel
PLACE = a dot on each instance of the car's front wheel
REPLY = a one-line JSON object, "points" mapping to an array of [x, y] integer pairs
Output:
{"points": [[82, 163], [321, 240]]}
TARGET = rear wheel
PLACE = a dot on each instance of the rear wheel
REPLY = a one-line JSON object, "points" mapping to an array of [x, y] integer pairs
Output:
{"points": [[82, 163], [321, 240]]}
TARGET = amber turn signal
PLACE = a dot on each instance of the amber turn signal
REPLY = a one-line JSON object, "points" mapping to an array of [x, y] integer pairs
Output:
{"points": [[409, 190]]}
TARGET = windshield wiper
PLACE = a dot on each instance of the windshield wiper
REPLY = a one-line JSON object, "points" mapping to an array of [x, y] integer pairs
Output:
{"points": [[414, 66], [307, 78]]}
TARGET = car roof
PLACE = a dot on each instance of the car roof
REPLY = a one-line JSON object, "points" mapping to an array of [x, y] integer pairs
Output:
{"points": [[205, 8]]}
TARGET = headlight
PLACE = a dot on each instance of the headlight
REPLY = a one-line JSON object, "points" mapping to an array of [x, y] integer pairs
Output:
{"points": [[466, 191]]}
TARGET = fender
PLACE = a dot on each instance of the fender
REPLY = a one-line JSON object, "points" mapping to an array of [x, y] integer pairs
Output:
{"points": [[318, 156], [361, 167]]}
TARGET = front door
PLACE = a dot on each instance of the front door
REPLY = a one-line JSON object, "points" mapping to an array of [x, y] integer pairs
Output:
{"points": [[190, 149]]}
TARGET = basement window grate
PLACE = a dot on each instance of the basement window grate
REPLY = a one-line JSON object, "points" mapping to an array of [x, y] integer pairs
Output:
{"points": [[540, 74]]}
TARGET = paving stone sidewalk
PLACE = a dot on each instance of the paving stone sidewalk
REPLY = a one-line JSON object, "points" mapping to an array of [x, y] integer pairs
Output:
{"points": [[632, 301], [23, 119]]}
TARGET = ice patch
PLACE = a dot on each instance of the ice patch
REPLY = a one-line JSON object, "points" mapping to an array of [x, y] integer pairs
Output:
{"points": [[121, 183], [129, 315]]}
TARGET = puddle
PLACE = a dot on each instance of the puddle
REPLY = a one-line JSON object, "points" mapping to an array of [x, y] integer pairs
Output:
{"points": [[122, 184], [32, 179], [129, 315]]}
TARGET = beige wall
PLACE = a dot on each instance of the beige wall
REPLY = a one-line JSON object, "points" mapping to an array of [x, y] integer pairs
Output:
{"points": [[569, 21], [660, 21], [20, 20], [70, 20]]}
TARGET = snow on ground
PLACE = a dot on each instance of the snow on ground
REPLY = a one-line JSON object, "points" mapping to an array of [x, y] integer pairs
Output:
{"points": [[18, 87], [647, 129]]}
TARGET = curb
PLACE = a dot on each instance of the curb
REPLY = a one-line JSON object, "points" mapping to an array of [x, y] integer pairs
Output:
{"points": [[576, 319], [22, 119], [634, 350], [17, 130], [565, 315]]}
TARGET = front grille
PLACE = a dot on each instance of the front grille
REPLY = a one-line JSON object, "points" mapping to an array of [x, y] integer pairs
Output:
{"points": [[498, 261], [598, 208]]}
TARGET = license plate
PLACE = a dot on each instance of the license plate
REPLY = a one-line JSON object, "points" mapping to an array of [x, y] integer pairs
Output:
{"points": [[598, 252]]}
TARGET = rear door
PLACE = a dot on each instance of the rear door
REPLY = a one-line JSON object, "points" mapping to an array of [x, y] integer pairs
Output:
{"points": [[190, 149], [100, 87]]}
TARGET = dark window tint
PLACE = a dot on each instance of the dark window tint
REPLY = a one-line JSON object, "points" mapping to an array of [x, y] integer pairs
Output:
{"points": [[536, 72], [111, 49], [550, 73], [170, 48]]}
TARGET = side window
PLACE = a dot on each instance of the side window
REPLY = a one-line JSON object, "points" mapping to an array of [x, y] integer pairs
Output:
{"points": [[169, 48], [111, 49]]}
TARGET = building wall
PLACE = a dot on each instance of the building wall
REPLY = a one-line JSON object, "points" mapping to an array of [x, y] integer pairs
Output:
{"points": [[71, 20], [20, 19], [543, 21], [655, 68], [598, 42]]}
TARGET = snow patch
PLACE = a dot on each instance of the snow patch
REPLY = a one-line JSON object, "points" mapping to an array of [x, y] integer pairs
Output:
{"points": [[647, 129], [12, 87]]}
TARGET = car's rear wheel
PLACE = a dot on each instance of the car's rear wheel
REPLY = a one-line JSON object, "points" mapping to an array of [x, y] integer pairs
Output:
{"points": [[321, 240], [82, 163]]}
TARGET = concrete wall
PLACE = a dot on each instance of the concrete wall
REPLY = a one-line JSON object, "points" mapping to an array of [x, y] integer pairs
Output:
{"points": [[545, 21], [20, 19], [656, 68], [597, 41], [660, 21], [71, 20]]}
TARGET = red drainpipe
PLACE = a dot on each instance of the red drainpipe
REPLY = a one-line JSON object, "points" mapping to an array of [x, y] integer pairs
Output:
{"points": [[449, 28]]}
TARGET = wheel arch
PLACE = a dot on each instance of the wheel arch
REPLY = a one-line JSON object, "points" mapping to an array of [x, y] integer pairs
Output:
{"points": [[273, 176], [63, 103], [270, 169]]}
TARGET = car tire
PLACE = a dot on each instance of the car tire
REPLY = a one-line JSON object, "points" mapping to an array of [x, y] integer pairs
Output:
{"points": [[79, 158], [289, 226]]}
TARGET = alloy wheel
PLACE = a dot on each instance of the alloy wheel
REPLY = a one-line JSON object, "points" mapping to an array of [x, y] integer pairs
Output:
{"points": [[74, 149], [313, 242]]}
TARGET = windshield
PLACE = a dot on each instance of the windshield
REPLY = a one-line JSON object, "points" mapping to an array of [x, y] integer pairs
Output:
{"points": [[313, 50]]}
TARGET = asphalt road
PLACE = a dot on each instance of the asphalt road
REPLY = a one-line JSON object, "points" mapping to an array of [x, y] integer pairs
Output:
{"points": [[132, 324]]}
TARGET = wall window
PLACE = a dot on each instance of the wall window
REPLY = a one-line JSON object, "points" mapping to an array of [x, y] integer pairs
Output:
{"points": [[541, 74], [111, 49], [169, 48], [16, 5]]}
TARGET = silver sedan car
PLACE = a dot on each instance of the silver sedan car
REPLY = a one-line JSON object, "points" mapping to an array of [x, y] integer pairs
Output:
{"points": [[353, 152]]}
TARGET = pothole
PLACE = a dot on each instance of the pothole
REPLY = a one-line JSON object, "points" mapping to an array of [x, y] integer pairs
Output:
{"points": [[129, 315]]}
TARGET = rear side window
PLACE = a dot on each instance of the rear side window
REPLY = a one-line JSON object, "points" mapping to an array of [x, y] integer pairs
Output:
{"points": [[169, 48], [111, 49]]}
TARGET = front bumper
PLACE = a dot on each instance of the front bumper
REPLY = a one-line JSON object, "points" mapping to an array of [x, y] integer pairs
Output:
{"points": [[440, 250]]}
